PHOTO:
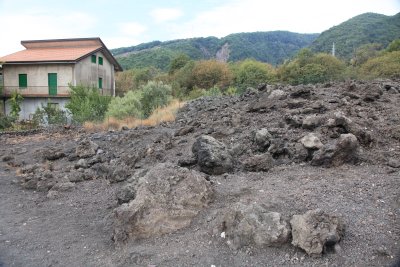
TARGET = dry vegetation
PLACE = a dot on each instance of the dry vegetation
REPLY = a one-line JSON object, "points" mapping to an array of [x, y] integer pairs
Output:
{"points": [[163, 114]]}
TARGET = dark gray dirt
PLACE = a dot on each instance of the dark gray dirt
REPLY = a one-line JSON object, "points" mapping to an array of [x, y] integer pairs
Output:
{"points": [[60, 212]]}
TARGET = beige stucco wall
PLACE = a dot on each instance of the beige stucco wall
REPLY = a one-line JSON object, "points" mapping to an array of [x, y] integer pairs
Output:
{"points": [[37, 76], [88, 73]]}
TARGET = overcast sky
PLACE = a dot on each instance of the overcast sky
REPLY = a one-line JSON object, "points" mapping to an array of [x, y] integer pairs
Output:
{"points": [[125, 23]]}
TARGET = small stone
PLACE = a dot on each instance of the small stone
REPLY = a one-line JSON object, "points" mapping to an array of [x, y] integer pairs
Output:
{"points": [[311, 141]]}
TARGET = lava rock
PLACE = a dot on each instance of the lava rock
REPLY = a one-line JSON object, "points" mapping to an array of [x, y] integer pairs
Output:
{"points": [[311, 141], [126, 193], [52, 153], [86, 149], [167, 199], [212, 156], [257, 163], [343, 150], [263, 139], [315, 230], [246, 225]]}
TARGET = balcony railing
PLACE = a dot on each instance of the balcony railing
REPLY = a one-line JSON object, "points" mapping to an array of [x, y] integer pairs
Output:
{"points": [[43, 91]]}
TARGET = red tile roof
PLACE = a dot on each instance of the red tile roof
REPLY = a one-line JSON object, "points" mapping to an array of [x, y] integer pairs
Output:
{"points": [[50, 54], [59, 50]]}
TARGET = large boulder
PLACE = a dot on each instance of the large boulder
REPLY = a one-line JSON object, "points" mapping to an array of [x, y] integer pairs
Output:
{"points": [[343, 150], [212, 156], [166, 199], [245, 225], [315, 230]]}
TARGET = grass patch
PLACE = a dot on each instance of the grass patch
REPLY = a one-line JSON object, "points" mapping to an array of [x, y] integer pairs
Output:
{"points": [[163, 114]]}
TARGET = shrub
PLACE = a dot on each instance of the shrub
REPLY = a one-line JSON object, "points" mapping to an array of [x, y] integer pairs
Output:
{"points": [[250, 73], [6, 122], [385, 66], [49, 114], [15, 103], [209, 73], [127, 106], [215, 91], [307, 67], [155, 95], [86, 104]]}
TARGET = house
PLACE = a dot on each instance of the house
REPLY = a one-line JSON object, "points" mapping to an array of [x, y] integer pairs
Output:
{"points": [[43, 71]]}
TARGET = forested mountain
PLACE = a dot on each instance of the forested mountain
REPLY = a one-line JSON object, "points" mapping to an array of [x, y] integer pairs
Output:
{"points": [[360, 30], [272, 47]]}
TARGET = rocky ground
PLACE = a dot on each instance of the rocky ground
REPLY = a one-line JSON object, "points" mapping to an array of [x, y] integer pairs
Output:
{"points": [[280, 176]]}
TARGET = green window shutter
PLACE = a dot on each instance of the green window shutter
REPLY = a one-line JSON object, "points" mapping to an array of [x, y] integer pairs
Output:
{"points": [[100, 61], [93, 58], [23, 80], [100, 83]]}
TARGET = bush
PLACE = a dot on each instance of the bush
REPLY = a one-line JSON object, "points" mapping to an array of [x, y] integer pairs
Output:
{"points": [[127, 106], [86, 104], [49, 114], [6, 122], [15, 103], [250, 73], [209, 73], [385, 66], [307, 68], [155, 95], [215, 91]]}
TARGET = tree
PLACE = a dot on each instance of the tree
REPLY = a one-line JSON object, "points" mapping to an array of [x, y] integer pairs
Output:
{"points": [[177, 63], [307, 67], [365, 52], [394, 46], [209, 73], [250, 73], [15, 102]]}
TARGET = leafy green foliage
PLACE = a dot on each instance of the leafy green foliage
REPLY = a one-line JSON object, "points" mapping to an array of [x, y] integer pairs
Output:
{"points": [[250, 73], [363, 29], [133, 79], [385, 66], [6, 122], [15, 103], [308, 67], [394, 46], [178, 63], [127, 106], [86, 104], [365, 52], [272, 47], [154, 95], [49, 114]]}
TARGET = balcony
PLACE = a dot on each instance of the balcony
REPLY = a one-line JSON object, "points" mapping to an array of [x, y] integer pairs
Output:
{"points": [[43, 91]]}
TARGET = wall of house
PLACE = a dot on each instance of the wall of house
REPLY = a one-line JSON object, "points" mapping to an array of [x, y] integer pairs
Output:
{"points": [[37, 76], [88, 73], [29, 105]]}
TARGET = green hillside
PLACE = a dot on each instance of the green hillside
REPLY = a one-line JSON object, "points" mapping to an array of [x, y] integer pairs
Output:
{"points": [[272, 47], [363, 29]]}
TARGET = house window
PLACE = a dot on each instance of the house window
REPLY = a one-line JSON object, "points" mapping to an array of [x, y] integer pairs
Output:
{"points": [[100, 61], [23, 80], [100, 83], [93, 58]]}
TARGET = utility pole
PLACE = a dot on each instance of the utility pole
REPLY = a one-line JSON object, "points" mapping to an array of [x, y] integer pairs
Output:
{"points": [[333, 49]]}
